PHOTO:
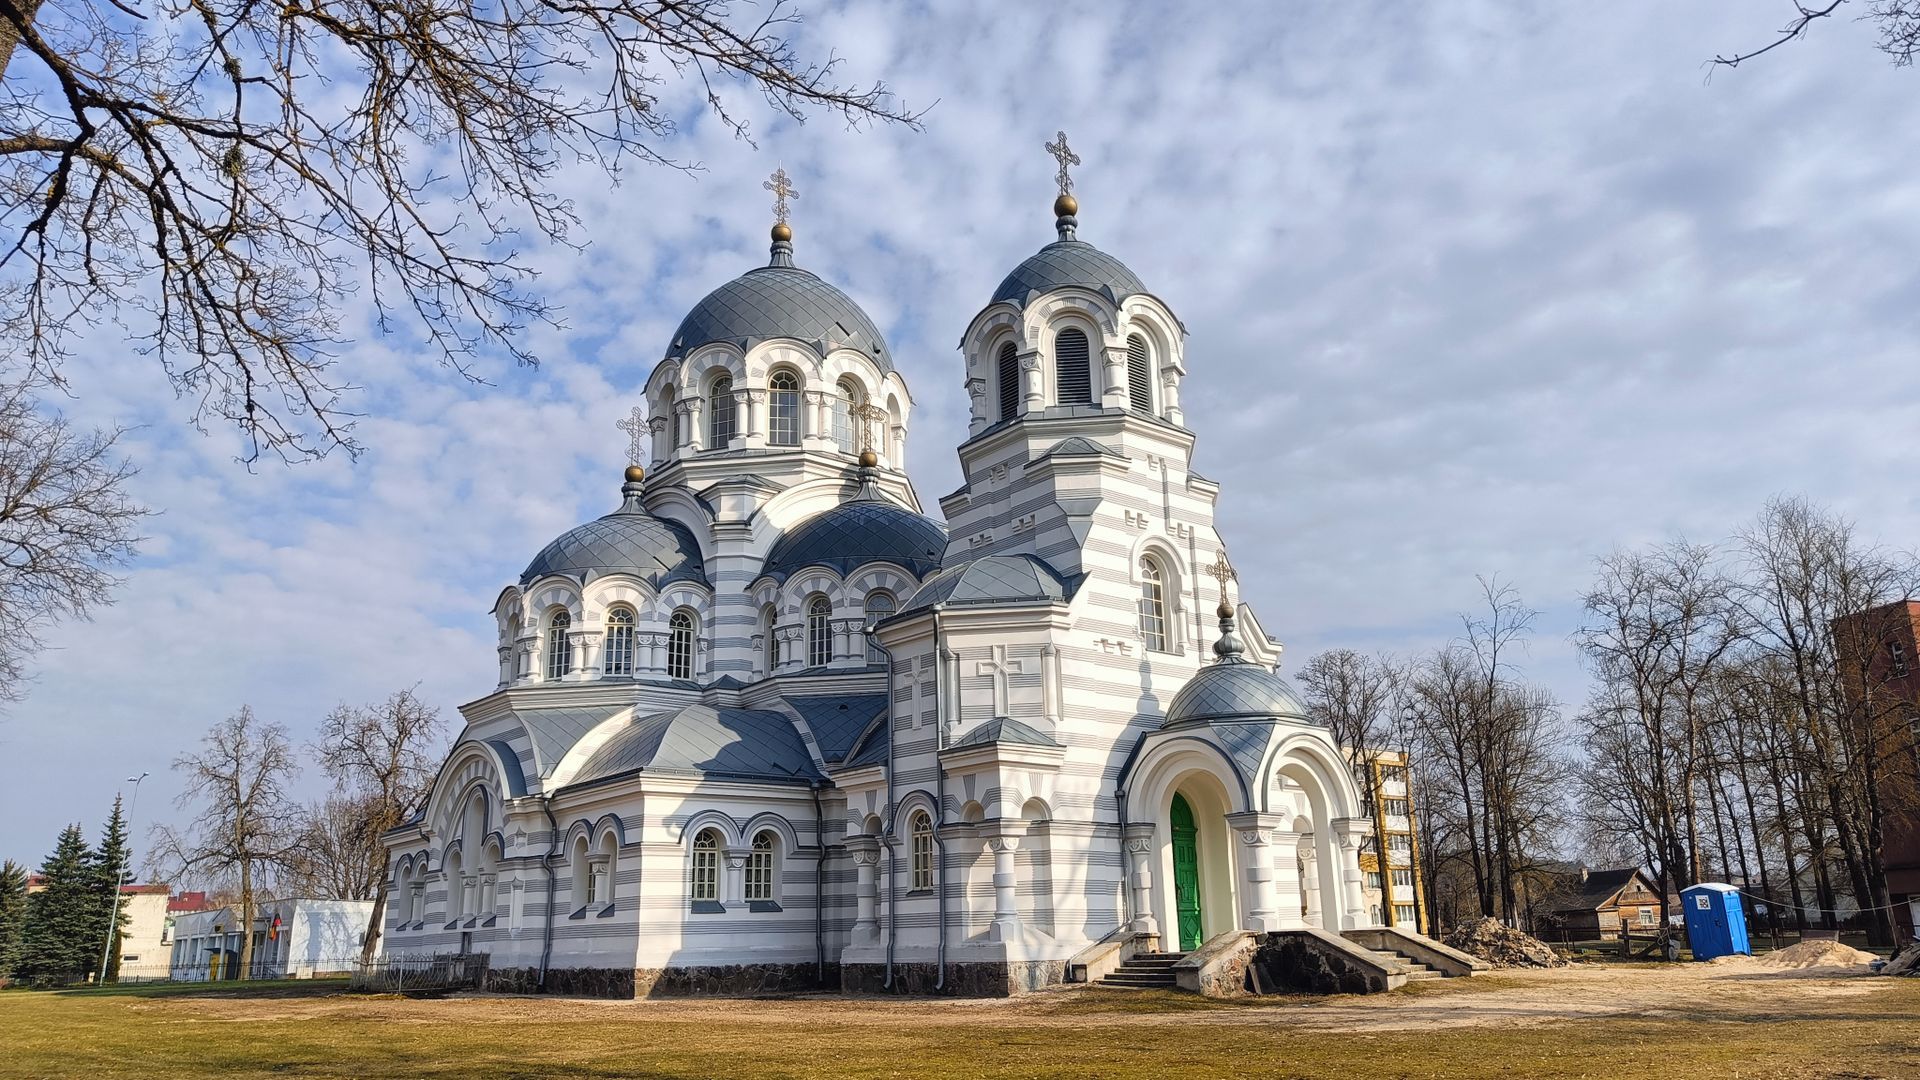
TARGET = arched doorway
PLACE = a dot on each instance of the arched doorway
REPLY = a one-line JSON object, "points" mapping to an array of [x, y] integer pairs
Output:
{"points": [[1186, 873]]}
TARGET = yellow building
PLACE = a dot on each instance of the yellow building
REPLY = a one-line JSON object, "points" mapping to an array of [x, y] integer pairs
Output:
{"points": [[1393, 892]]}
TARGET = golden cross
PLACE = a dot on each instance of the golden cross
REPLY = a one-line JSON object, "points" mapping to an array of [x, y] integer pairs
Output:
{"points": [[1065, 157], [868, 414], [633, 425], [1222, 571], [783, 190]]}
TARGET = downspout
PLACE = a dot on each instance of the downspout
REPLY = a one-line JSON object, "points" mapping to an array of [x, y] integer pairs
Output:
{"points": [[940, 714], [546, 863], [819, 889]]}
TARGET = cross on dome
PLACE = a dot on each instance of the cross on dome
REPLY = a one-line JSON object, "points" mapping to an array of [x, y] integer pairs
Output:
{"points": [[1065, 156], [782, 189], [634, 425]]}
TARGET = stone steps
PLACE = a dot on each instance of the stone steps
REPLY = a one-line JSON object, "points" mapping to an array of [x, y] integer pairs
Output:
{"points": [[1416, 971], [1145, 971]]}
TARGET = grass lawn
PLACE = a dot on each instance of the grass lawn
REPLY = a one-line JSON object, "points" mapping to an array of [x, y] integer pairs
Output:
{"points": [[1504, 1026]]}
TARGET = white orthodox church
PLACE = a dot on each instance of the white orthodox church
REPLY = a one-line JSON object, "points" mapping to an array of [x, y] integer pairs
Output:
{"points": [[769, 724]]}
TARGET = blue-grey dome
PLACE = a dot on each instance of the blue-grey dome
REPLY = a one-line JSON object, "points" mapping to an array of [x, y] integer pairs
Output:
{"points": [[780, 301], [627, 541], [1235, 690], [1069, 262], [858, 532], [704, 740]]}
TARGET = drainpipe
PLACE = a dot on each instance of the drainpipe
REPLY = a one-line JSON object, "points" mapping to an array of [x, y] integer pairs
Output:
{"points": [[819, 889], [546, 863], [940, 713]]}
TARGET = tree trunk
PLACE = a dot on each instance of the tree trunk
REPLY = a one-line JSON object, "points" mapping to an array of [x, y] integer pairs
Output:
{"points": [[246, 920], [10, 30]]}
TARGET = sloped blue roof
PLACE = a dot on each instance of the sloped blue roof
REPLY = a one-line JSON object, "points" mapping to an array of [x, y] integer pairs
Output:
{"points": [[1235, 690], [554, 731], [702, 740], [780, 301], [629, 541], [1005, 729], [837, 721], [1069, 262], [856, 533], [872, 751], [992, 579], [1077, 446]]}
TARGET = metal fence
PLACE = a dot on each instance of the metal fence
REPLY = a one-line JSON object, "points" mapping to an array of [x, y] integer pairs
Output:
{"points": [[422, 971]]}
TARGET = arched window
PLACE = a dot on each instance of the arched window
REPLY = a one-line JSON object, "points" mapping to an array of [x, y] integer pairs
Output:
{"points": [[845, 416], [456, 885], [706, 867], [769, 619], [760, 869], [559, 649], [879, 606], [1153, 605], [669, 406], [1139, 375], [1072, 372], [783, 409], [720, 413], [819, 632], [680, 645], [922, 831], [619, 643], [1009, 364]]}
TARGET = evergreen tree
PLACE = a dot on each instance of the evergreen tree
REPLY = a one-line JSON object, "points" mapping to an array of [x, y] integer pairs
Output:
{"points": [[13, 915], [63, 925], [111, 861]]}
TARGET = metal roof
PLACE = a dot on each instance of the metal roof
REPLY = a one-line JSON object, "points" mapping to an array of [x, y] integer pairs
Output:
{"points": [[554, 731], [1078, 446], [1005, 729], [780, 301], [702, 740], [1235, 689], [873, 751], [629, 541], [836, 721], [856, 533], [993, 579], [1069, 262]]}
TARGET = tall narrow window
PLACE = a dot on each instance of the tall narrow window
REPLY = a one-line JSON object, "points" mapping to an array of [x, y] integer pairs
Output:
{"points": [[720, 414], [680, 645], [1009, 364], [879, 606], [1153, 605], [619, 643], [922, 830], [559, 649], [819, 632], [1073, 377], [706, 866], [769, 619], [783, 409], [1139, 375], [672, 409], [760, 868], [846, 404]]}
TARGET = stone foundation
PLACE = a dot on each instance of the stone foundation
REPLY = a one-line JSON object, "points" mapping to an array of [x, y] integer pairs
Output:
{"points": [[667, 982], [993, 979], [1295, 963]]}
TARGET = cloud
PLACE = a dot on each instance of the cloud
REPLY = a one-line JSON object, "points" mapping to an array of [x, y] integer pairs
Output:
{"points": [[1488, 290]]}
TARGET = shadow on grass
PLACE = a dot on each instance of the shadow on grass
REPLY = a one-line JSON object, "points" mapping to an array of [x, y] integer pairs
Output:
{"points": [[262, 988]]}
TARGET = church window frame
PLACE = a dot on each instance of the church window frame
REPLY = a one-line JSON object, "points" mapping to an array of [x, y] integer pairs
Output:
{"points": [[920, 830], [879, 604], [819, 630], [1139, 374], [760, 881], [847, 400], [620, 642], [703, 880], [721, 413], [769, 623], [783, 408], [682, 629], [559, 648], [1007, 368], [1072, 367], [1152, 609]]}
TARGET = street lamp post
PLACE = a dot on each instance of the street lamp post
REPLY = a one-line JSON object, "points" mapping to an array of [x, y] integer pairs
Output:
{"points": [[119, 876]]}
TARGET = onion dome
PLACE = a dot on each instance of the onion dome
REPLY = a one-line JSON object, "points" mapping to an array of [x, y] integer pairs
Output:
{"points": [[1068, 262], [1234, 688], [627, 541], [780, 300], [864, 529]]}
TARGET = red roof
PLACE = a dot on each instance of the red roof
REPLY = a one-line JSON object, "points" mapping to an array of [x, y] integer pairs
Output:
{"points": [[145, 890], [188, 901]]}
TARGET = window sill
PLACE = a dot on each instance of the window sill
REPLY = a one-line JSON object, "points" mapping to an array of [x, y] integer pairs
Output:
{"points": [[925, 890], [473, 922], [491, 920], [709, 907], [605, 912], [763, 905], [578, 914]]}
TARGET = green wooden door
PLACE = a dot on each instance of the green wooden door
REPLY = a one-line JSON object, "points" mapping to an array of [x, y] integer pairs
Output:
{"points": [[1186, 873]]}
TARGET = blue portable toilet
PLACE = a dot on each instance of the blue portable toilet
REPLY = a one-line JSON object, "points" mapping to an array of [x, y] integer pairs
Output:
{"points": [[1716, 923]]}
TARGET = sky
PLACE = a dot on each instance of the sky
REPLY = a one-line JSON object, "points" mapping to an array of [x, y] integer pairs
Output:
{"points": [[1484, 291]]}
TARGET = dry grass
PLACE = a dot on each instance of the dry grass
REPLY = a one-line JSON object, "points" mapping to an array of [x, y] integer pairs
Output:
{"points": [[1587, 1022]]}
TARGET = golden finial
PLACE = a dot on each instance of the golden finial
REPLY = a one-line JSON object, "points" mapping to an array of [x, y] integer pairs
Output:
{"points": [[1066, 206], [635, 474], [868, 459], [783, 233]]}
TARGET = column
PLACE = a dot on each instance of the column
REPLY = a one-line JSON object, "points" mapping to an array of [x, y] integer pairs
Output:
{"points": [[1031, 391], [1006, 904], [977, 396], [1352, 832], [586, 647], [1170, 397], [1113, 368], [750, 426], [1138, 840], [1259, 911], [1287, 892], [865, 851], [1310, 879]]}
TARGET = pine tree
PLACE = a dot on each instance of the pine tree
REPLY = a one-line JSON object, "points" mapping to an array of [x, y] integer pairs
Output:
{"points": [[63, 927], [111, 861], [13, 915]]}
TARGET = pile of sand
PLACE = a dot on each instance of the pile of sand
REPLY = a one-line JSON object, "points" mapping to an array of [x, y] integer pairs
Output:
{"points": [[1905, 962], [1503, 946], [1812, 954]]}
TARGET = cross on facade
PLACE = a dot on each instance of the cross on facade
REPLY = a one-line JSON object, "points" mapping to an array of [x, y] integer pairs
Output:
{"points": [[634, 425], [1065, 157], [783, 190], [999, 667]]}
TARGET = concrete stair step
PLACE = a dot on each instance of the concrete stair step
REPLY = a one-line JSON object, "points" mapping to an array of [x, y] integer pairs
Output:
{"points": [[1422, 974]]}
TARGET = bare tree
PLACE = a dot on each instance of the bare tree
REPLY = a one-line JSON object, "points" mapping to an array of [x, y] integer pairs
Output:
{"points": [[382, 759], [244, 824], [332, 857], [220, 174], [1897, 21], [1358, 698], [66, 521]]}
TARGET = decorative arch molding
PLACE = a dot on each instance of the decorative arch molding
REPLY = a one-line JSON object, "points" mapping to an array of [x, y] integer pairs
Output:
{"points": [[984, 327], [1152, 778], [665, 376], [729, 830], [891, 577], [781, 827], [495, 839], [1068, 306], [504, 602], [610, 823], [707, 362], [1313, 755], [769, 356], [553, 592], [917, 799], [1147, 316], [604, 593], [580, 830], [473, 763], [851, 363]]}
